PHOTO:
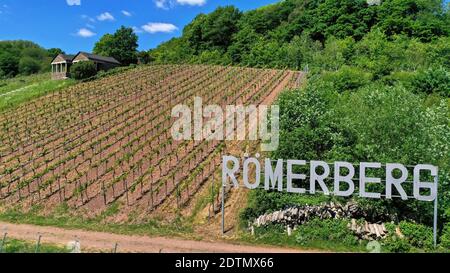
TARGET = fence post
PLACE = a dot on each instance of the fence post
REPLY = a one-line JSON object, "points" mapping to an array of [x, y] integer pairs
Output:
{"points": [[38, 243], [435, 218], [223, 209], [3, 241]]}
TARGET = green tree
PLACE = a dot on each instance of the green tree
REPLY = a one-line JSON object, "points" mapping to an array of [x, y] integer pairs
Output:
{"points": [[243, 41], [29, 65], [9, 65], [122, 45], [424, 19], [433, 80], [213, 31], [53, 52], [144, 57]]}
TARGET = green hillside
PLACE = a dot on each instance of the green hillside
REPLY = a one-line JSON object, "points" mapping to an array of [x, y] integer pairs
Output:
{"points": [[24, 58], [378, 90]]}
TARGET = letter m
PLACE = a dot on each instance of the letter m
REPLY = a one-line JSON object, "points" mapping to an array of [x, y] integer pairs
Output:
{"points": [[273, 177]]}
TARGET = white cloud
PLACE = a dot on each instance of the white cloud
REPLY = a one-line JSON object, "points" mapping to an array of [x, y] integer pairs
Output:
{"points": [[137, 30], [87, 18], [126, 13], [162, 4], [191, 2], [167, 4], [90, 26], [73, 2], [85, 33], [159, 27], [106, 16]]}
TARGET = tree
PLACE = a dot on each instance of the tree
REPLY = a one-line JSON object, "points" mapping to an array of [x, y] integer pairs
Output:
{"points": [[243, 41], [423, 19], [144, 57], [83, 70], [213, 31], [104, 45], [122, 45], [432, 80], [9, 65], [29, 65], [22, 56], [53, 52]]}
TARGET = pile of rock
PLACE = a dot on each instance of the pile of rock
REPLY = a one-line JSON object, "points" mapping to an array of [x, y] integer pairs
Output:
{"points": [[296, 216], [368, 231]]}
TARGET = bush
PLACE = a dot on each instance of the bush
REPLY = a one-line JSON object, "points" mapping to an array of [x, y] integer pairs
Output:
{"points": [[445, 237], [417, 235], [28, 66], [8, 65], [396, 245], [329, 230], [348, 78], [433, 81], [83, 70]]}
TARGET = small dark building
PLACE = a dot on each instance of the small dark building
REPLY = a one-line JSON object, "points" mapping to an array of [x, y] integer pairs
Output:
{"points": [[61, 64]]}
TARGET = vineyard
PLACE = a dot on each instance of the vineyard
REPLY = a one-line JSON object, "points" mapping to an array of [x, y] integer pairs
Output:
{"points": [[96, 143]]}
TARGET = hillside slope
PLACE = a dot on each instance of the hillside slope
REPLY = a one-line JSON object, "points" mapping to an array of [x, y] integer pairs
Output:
{"points": [[108, 142]]}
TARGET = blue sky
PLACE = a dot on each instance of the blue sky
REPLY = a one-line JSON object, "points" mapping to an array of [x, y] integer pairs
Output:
{"points": [[75, 25]]}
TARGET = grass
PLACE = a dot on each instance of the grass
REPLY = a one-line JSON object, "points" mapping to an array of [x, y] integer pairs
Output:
{"points": [[18, 90], [61, 217], [276, 235], [19, 246]]}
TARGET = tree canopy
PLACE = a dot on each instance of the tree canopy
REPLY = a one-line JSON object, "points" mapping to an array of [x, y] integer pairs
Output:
{"points": [[24, 57], [122, 45]]}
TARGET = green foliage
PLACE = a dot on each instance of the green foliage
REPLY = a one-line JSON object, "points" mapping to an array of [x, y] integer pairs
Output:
{"points": [[53, 52], [375, 123], [262, 202], [329, 230], [445, 237], [20, 89], [395, 244], [380, 39], [19, 246], [83, 70], [415, 18], [28, 66], [342, 19], [122, 45], [213, 31], [9, 65], [23, 57], [212, 57], [348, 78], [432, 81], [417, 235], [144, 57]]}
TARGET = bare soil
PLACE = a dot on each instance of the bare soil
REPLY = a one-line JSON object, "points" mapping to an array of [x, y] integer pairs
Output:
{"points": [[104, 242]]}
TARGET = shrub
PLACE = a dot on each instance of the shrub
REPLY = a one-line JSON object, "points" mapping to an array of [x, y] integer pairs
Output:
{"points": [[433, 80], [83, 70], [396, 245], [28, 66], [445, 237], [348, 78], [417, 235], [329, 230]]}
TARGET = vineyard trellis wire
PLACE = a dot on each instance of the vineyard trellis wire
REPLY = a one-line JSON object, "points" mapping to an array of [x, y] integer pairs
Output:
{"points": [[98, 142]]}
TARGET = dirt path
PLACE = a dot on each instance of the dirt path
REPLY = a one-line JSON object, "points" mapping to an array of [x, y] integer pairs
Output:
{"points": [[127, 243]]}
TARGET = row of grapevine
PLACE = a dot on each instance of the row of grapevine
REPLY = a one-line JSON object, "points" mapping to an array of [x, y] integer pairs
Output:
{"points": [[98, 142]]}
